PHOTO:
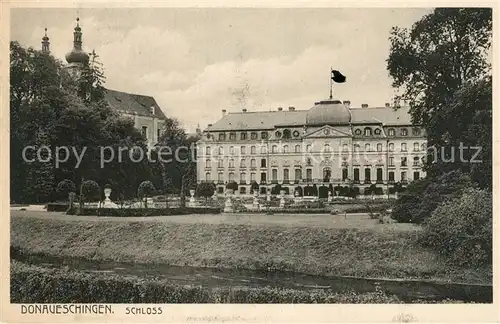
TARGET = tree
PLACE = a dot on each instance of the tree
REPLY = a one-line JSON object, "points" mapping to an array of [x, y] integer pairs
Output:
{"points": [[65, 187], [205, 189], [443, 53], [145, 189]]}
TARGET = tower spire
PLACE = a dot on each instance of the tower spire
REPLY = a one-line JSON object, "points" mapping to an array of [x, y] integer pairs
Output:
{"points": [[45, 43], [77, 35]]}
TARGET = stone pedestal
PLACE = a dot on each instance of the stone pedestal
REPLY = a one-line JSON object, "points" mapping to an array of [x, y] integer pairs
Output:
{"points": [[255, 199], [282, 199], [330, 197], [192, 201], [228, 204], [107, 203], [297, 198]]}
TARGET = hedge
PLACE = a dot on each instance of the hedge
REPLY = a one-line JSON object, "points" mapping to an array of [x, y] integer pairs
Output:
{"points": [[143, 212], [57, 207], [32, 284]]}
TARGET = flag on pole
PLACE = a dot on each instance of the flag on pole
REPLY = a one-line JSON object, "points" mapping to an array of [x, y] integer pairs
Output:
{"points": [[338, 77]]}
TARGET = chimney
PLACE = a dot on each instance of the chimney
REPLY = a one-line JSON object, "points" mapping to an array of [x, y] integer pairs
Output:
{"points": [[209, 125], [153, 110], [291, 108], [347, 103], [244, 110], [364, 105], [387, 105], [223, 112], [280, 108]]}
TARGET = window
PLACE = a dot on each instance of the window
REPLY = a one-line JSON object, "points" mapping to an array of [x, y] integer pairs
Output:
{"points": [[368, 131], [243, 150], [297, 148], [298, 174], [208, 176], [379, 174], [242, 163], [379, 147], [263, 163], [367, 147], [252, 176], [231, 177], [221, 150], [308, 148], [404, 132], [391, 176], [327, 148], [285, 149], [356, 174], [416, 131], [287, 134], [263, 135], [308, 161], [231, 163], [243, 190], [286, 175], [403, 147], [424, 146], [391, 132], [356, 147], [309, 174], [231, 150], [377, 131], [403, 176], [345, 174], [263, 177], [207, 163], [274, 149], [416, 161], [368, 175], [416, 175], [220, 177], [358, 131], [416, 147], [391, 147], [391, 160], [220, 163], [327, 173], [252, 149], [263, 149], [243, 136], [144, 131], [232, 136], [274, 175], [253, 163], [208, 151], [345, 147], [158, 134], [222, 136], [243, 177], [404, 161], [277, 134], [253, 135]]}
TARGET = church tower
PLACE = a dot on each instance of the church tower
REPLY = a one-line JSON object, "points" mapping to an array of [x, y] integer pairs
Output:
{"points": [[45, 43], [76, 58]]}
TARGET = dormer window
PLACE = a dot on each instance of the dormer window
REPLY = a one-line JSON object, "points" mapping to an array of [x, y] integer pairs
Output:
{"points": [[368, 131], [152, 109], [144, 131]]}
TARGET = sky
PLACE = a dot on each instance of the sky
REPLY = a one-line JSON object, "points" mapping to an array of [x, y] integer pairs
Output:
{"points": [[196, 62]]}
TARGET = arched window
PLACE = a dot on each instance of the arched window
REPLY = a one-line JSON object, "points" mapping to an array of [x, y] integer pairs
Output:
{"points": [[345, 147], [263, 163], [327, 148], [232, 136], [207, 163], [231, 176], [220, 163], [416, 161], [243, 136], [308, 148], [274, 149], [242, 163], [252, 150], [231, 150], [368, 131], [416, 147], [208, 176], [404, 132], [222, 136], [243, 177], [208, 151], [356, 147], [367, 147], [391, 147], [221, 150], [285, 149], [403, 147], [298, 174], [274, 175], [263, 149], [391, 132], [243, 150], [297, 148], [286, 175], [253, 163], [379, 147]]}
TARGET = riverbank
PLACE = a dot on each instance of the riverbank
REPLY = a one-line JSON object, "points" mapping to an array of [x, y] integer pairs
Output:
{"points": [[34, 284], [381, 252]]}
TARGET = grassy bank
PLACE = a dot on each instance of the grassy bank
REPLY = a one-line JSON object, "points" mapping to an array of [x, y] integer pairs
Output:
{"points": [[314, 250], [33, 284]]}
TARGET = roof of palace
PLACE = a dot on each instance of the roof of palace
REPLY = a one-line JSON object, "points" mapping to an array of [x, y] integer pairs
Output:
{"points": [[133, 103], [386, 116]]}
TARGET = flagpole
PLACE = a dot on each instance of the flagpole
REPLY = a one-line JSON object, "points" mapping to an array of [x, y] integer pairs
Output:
{"points": [[331, 83]]}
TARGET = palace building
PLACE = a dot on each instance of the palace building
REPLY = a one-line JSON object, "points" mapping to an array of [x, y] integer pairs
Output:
{"points": [[329, 144], [144, 110]]}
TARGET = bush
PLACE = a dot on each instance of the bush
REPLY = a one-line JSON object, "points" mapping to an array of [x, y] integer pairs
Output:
{"points": [[461, 228], [65, 187], [232, 185], [57, 207], [91, 190], [145, 190], [422, 197], [205, 189], [144, 212]]}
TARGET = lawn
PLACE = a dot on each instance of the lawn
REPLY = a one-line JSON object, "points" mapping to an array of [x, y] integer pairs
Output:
{"points": [[314, 244]]}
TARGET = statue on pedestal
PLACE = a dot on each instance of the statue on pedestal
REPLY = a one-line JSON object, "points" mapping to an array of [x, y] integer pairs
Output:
{"points": [[282, 199], [228, 204]]}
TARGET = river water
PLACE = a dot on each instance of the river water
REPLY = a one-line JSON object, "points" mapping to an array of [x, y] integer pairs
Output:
{"points": [[406, 290]]}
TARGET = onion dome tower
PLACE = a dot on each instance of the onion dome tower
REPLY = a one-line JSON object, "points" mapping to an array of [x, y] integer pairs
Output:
{"points": [[77, 58], [45, 43]]}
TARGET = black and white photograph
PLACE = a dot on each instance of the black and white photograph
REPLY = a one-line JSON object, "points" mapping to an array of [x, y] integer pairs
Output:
{"points": [[248, 155]]}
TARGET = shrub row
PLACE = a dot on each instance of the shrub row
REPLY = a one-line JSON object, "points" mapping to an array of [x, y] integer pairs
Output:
{"points": [[30, 284], [57, 207], [142, 212]]}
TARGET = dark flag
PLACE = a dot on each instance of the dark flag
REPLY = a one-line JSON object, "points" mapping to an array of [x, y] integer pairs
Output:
{"points": [[337, 77]]}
